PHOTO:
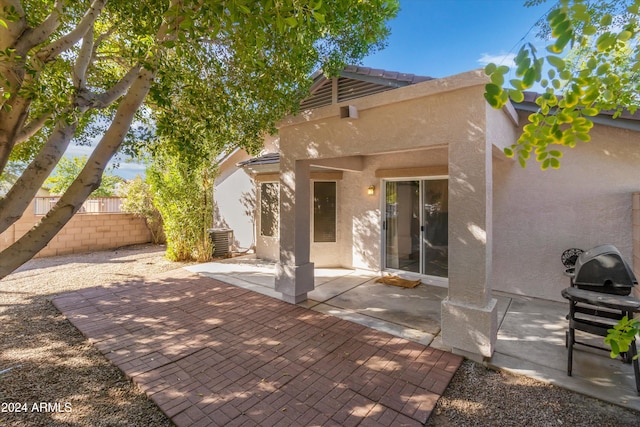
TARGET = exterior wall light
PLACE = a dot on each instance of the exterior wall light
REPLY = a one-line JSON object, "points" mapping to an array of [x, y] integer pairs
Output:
{"points": [[371, 190]]}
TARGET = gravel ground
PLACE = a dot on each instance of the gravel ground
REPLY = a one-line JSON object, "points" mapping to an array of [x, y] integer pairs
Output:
{"points": [[50, 362], [481, 397]]}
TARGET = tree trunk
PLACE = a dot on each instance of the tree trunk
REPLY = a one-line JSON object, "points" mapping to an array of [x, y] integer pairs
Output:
{"points": [[86, 182], [13, 205]]}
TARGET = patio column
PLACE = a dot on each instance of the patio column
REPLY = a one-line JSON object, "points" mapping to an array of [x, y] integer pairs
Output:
{"points": [[294, 272], [469, 315]]}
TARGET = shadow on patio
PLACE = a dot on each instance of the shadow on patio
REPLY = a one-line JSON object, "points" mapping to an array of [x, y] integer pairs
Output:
{"points": [[531, 336], [208, 353]]}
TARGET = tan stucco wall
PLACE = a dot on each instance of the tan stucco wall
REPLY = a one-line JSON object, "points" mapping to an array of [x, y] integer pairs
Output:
{"points": [[359, 218], [536, 215], [635, 264], [403, 128], [83, 233], [361, 242], [587, 202]]}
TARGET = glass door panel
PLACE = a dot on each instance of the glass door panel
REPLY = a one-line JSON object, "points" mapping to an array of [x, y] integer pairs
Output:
{"points": [[416, 226], [402, 221], [435, 220]]}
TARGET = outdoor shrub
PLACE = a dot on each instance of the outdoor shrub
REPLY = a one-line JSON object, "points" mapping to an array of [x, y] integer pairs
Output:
{"points": [[138, 200], [183, 195]]}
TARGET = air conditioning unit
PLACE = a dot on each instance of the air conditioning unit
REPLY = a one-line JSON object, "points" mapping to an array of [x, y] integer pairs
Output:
{"points": [[222, 239]]}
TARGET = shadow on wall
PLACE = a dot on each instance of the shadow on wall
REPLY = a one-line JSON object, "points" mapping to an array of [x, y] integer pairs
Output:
{"points": [[248, 204], [366, 239]]}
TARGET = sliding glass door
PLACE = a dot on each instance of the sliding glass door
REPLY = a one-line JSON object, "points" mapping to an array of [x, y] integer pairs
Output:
{"points": [[416, 226]]}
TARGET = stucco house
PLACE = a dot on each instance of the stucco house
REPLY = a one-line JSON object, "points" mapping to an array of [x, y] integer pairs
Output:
{"points": [[393, 172]]}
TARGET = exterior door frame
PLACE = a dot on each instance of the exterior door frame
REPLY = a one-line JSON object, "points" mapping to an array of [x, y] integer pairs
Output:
{"points": [[428, 279]]}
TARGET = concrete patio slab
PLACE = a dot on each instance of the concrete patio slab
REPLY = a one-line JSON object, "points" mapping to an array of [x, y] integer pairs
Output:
{"points": [[209, 353], [417, 308], [531, 341]]}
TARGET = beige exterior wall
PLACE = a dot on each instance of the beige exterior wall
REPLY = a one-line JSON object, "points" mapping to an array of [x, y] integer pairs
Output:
{"points": [[587, 202], [508, 226], [361, 215], [405, 128], [83, 233], [535, 215], [635, 203], [359, 220]]}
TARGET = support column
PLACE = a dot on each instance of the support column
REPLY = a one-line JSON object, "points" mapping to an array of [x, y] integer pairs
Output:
{"points": [[469, 314], [294, 272]]}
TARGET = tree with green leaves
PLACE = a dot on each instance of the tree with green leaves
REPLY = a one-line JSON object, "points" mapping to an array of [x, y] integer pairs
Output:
{"points": [[118, 72], [67, 171], [591, 64]]}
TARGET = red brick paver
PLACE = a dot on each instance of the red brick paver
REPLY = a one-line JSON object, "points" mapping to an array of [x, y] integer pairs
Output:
{"points": [[210, 354]]}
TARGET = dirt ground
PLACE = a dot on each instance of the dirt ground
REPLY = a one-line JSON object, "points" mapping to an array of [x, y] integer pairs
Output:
{"points": [[51, 376]]}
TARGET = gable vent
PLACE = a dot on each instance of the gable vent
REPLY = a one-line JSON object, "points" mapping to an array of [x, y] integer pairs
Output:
{"points": [[319, 98], [351, 89]]}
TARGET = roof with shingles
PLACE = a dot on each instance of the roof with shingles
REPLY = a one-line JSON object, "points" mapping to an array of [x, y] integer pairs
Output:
{"points": [[386, 75], [264, 159]]}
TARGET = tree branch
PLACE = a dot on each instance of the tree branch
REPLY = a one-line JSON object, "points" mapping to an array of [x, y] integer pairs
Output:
{"points": [[87, 181], [65, 42], [10, 35], [11, 121], [32, 127], [32, 37], [13, 205], [107, 98], [83, 60]]}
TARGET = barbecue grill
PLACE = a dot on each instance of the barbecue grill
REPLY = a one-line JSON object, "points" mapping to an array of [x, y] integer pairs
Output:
{"points": [[601, 281], [602, 269]]}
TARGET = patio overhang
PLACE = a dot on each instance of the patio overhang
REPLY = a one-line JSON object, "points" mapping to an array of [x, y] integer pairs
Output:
{"points": [[413, 118]]}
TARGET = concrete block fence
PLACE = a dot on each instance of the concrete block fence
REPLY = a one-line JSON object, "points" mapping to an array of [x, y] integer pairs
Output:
{"points": [[85, 232]]}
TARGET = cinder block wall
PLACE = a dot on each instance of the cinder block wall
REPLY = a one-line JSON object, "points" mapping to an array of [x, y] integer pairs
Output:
{"points": [[636, 240], [83, 233]]}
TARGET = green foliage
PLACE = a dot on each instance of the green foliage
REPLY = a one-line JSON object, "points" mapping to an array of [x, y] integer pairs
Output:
{"points": [[226, 71], [67, 171], [183, 194], [622, 335], [138, 200], [202, 77], [599, 72], [230, 89]]}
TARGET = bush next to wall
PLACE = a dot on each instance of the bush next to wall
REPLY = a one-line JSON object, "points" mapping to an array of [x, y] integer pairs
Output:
{"points": [[138, 200], [183, 195]]}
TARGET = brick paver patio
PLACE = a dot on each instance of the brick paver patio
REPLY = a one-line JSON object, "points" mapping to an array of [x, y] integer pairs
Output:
{"points": [[208, 353]]}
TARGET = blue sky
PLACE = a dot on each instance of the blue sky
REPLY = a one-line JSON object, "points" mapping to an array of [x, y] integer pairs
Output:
{"points": [[439, 38]]}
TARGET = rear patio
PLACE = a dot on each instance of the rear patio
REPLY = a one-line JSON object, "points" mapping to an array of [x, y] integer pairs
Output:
{"points": [[531, 335], [209, 353]]}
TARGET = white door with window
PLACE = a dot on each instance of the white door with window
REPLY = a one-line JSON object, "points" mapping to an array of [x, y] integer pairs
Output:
{"points": [[415, 226]]}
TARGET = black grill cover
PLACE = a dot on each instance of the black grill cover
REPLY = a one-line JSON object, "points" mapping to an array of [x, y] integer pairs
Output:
{"points": [[602, 269]]}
